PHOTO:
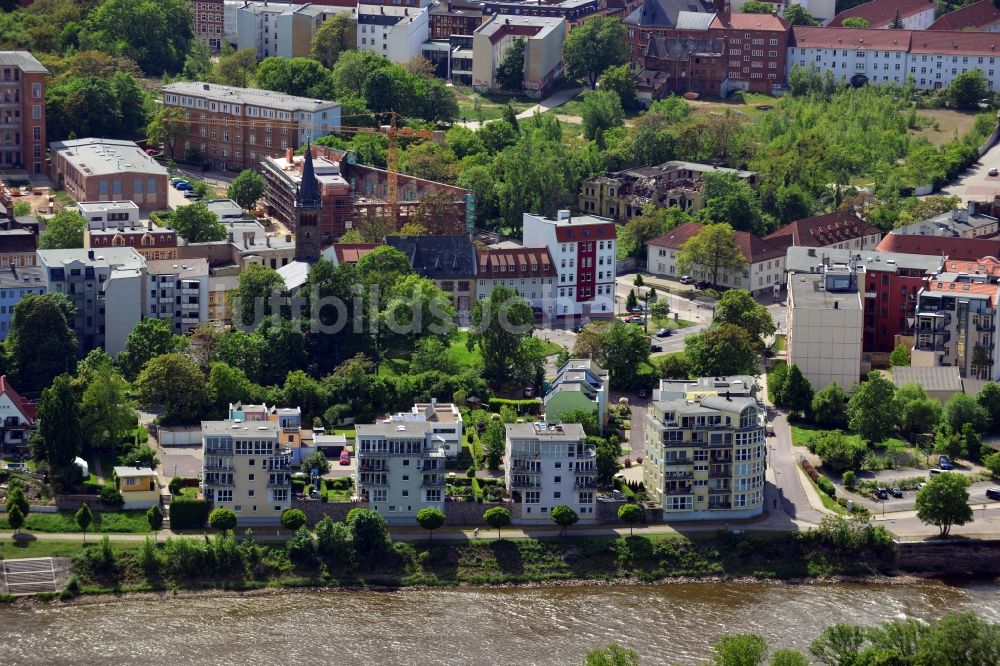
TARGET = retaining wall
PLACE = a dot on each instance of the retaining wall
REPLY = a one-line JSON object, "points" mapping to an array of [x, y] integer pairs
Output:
{"points": [[949, 557]]}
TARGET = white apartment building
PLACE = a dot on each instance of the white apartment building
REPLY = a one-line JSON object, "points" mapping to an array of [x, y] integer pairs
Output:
{"points": [[932, 57], [582, 248], [396, 31], [444, 419], [881, 14], [257, 28], [400, 468], [543, 37], [124, 212], [284, 30], [246, 469], [177, 293], [547, 465], [705, 451], [527, 270]]}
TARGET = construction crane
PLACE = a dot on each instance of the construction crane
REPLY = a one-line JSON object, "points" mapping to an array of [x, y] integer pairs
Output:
{"points": [[392, 130]]}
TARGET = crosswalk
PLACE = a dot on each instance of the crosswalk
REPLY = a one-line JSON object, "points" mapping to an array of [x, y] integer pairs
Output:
{"points": [[29, 576]]}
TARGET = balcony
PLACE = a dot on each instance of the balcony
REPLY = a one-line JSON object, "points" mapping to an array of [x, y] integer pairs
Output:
{"points": [[373, 479], [166, 299], [525, 466], [677, 461], [678, 475], [211, 466], [287, 482], [525, 482], [209, 483], [719, 472], [720, 459], [585, 483], [719, 505], [366, 466], [190, 291], [432, 481], [720, 491], [677, 490], [986, 328]]}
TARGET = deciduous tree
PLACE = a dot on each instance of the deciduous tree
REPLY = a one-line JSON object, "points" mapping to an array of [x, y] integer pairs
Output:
{"points": [[257, 287], [631, 514], [83, 518], [944, 501], [738, 307], [338, 33], [621, 81], [797, 391], [593, 47], [148, 339], [872, 410], [498, 518], [564, 517], [601, 111], [222, 519], [195, 223], [829, 406], [108, 413], [247, 188], [712, 252], [156, 34], [59, 431], [64, 231], [725, 349], [510, 72], [168, 127], [500, 324], [293, 519], [41, 342], [430, 519], [176, 383]]}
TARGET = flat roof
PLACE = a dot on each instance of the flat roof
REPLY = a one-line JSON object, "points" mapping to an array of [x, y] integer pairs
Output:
{"points": [[394, 429], [133, 472], [103, 157], [240, 429], [500, 22], [107, 257], [809, 290], [541, 430], [807, 259], [252, 96], [183, 268], [100, 206]]}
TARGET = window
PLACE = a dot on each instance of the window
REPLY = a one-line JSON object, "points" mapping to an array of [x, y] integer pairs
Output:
{"points": [[532, 497]]}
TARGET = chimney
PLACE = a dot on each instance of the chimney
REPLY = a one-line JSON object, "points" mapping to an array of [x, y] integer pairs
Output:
{"points": [[972, 208], [230, 236], [90, 254], [288, 155]]}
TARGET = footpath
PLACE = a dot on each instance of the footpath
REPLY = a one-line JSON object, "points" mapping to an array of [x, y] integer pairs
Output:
{"points": [[553, 101]]}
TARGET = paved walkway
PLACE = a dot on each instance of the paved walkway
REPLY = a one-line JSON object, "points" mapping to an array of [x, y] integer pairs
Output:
{"points": [[553, 101]]}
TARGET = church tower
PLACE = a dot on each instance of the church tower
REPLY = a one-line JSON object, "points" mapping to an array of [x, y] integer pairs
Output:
{"points": [[307, 212]]}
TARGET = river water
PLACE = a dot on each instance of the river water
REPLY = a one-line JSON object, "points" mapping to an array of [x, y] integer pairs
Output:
{"points": [[665, 624]]}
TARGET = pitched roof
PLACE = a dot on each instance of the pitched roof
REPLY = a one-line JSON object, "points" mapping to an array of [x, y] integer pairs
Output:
{"points": [[968, 249], [754, 248], [953, 286], [351, 253], [858, 39], [23, 60], [938, 378], [984, 266], [741, 21], [682, 48], [665, 12], [960, 43], [880, 13], [437, 256], [977, 16], [29, 410], [823, 230], [520, 262]]}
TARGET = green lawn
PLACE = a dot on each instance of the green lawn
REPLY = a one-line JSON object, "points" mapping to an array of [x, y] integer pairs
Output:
{"points": [[120, 522], [349, 432], [462, 353], [551, 348], [338, 495], [802, 433], [668, 322], [779, 344], [11, 549], [490, 106], [191, 492]]}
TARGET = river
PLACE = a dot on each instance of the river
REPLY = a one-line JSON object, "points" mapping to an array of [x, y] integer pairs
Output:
{"points": [[672, 623]]}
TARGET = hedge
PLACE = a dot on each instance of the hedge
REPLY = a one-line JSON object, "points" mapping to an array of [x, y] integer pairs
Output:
{"points": [[187, 513], [529, 406]]}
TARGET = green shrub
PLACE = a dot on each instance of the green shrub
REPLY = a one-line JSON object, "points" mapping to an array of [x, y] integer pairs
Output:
{"points": [[111, 496], [528, 406], [850, 479], [344, 483], [298, 486], [826, 486], [175, 485], [71, 590], [187, 513]]}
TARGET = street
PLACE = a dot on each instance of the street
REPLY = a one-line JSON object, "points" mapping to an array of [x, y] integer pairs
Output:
{"points": [[975, 183]]}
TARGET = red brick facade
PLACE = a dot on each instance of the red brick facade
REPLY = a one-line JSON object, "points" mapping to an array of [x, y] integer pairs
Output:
{"points": [[22, 112]]}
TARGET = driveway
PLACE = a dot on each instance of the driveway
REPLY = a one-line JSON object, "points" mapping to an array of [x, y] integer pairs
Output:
{"points": [[975, 183], [787, 488], [182, 461]]}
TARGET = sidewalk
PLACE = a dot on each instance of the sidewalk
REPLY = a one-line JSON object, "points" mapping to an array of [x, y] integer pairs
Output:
{"points": [[553, 101]]}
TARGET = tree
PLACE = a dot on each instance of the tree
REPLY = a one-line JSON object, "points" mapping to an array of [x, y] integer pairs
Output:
{"points": [[15, 518], [156, 34], [620, 81], [838, 452], [967, 89], [631, 301], [788, 656], [369, 533], [601, 111], [757, 7], [494, 442], [900, 356], [712, 252], [59, 430], [302, 77], [257, 287], [337, 34], [799, 15], [631, 514], [612, 655], [740, 650], [498, 518], [725, 349], [675, 366], [438, 214], [168, 127], [154, 516], [738, 307], [872, 410], [83, 518], [625, 349], [731, 200], [510, 73], [293, 519], [115, 107], [960, 638], [195, 223], [236, 68], [593, 47], [854, 22], [108, 414], [919, 416], [962, 409], [564, 517], [248, 187], [41, 342], [793, 202], [944, 501], [585, 417], [334, 541], [176, 383], [989, 399], [947, 441], [430, 519], [992, 463], [829, 406], [223, 519], [16, 500], [316, 461], [63, 232], [797, 391], [148, 339], [500, 324]]}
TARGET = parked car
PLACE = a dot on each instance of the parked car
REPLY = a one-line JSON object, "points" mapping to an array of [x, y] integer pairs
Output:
{"points": [[635, 319], [881, 494], [184, 186], [345, 457], [703, 284], [637, 308], [896, 491], [944, 462], [529, 392], [655, 348], [685, 279], [643, 393], [993, 171], [174, 181], [664, 333], [578, 328], [920, 485], [191, 194], [933, 471], [993, 494]]}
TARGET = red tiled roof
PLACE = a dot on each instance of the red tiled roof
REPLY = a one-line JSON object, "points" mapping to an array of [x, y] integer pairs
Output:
{"points": [[985, 266], [823, 230], [964, 287], [754, 248], [515, 262], [350, 253], [858, 39], [976, 16], [741, 21], [576, 233], [880, 13], [967, 249], [961, 43], [29, 410]]}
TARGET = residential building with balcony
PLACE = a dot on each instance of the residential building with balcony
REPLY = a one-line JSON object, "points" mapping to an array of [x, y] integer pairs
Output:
{"points": [[177, 293], [246, 469], [527, 270], [15, 284], [18, 417], [546, 465], [291, 435], [445, 421], [705, 451], [118, 224], [138, 487], [109, 170], [579, 384], [400, 468], [22, 112]]}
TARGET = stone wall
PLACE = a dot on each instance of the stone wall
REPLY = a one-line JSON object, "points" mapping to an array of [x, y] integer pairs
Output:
{"points": [[607, 513], [948, 557]]}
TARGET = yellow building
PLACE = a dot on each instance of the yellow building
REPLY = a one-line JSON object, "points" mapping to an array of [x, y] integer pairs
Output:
{"points": [[137, 486]]}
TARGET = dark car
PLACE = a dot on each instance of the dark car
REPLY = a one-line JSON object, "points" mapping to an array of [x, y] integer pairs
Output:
{"points": [[944, 462], [993, 494], [881, 494], [643, 393], [703, 284], [664, 333], [637, 309], [896, 491], [655, 348], [578, 328]]}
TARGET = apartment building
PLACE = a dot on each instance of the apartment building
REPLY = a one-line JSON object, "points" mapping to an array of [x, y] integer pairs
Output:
{"points": [[22, 112], [453, 17], [106, 288], [450, 261], [401, 468], [235, 128], [395, 29], [705, 451], [118, 224], [17, 248], [16, 282], [177, 293], [974, 220], [444, 419], [257, 27], [246, 243], [109, 170], [18, 417], [623, 194], [583, 253], [839, 229], [291, 435], [883, 14], [982, 16], [246, 469], [579, 384], [527, 270], [764, 272], [543, 37], [547, 465], [209, 22]]}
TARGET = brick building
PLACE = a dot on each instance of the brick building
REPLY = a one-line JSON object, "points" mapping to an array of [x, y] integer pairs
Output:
{"points": [[117, 224], [454, 17], [22, 112], [676, 65], [109, 170], [208, 22]]}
